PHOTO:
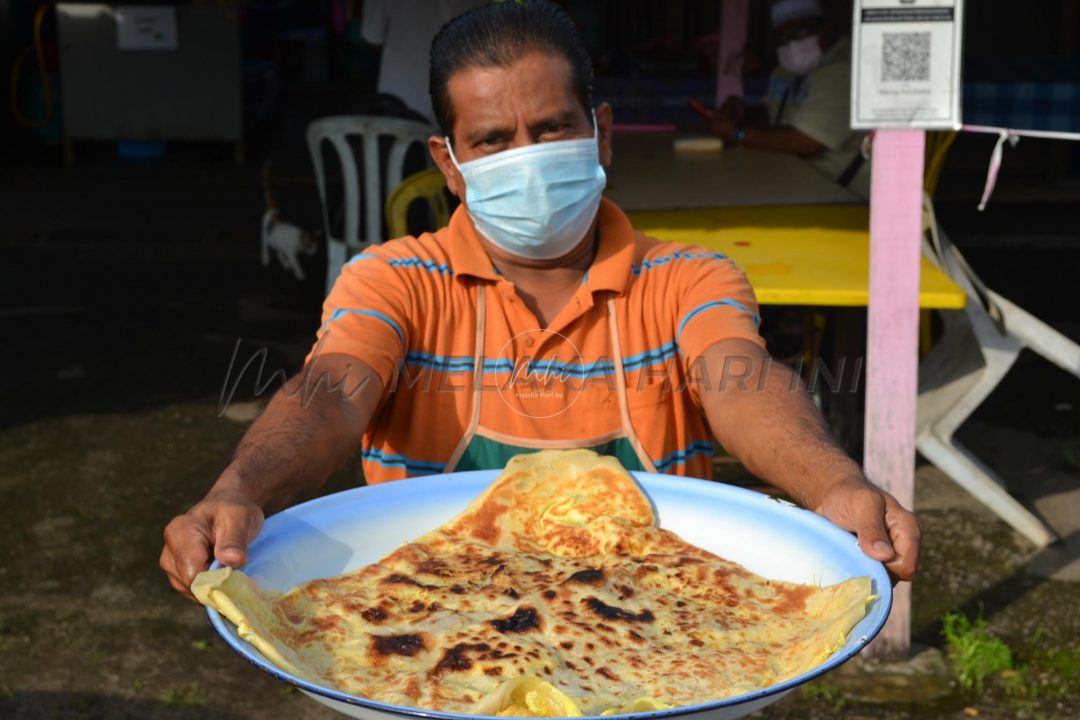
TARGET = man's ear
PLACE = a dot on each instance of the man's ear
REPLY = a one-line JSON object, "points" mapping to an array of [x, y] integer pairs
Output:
{"points": [[605, 120], [441, 155]]}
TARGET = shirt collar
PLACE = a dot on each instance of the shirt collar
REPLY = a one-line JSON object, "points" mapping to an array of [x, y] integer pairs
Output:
{"points": [[610, 269], [467, 255]]}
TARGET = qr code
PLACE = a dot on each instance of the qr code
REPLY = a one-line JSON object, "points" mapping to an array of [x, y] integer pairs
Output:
{"points": [[906, 56]]}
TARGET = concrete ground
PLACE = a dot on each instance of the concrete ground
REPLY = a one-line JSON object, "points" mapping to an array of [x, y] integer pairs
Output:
{"points": [[126, 288]]}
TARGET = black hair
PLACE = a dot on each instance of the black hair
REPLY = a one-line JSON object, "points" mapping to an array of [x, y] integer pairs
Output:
{"points": [[499, 34]]}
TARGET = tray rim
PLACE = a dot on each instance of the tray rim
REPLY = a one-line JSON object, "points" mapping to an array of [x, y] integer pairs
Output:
{"points": [[879, 579]]}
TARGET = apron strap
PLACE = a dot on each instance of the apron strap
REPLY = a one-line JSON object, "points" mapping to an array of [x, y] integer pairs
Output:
{"points": [[620, 389], [478, 379]]}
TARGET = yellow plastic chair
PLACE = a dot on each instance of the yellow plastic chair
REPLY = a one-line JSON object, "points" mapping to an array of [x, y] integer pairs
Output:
{"points": [[937, 147], [428, 185]]}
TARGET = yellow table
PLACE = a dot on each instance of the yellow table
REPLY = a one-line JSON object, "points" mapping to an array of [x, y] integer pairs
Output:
{"points": [[794, 255]]}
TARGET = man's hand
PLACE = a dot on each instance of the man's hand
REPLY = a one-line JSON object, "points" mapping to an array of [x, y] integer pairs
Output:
{"points": [[219, 527], [886, 531], [734, 108], [763, 416], [722, 125], [308, 430]]}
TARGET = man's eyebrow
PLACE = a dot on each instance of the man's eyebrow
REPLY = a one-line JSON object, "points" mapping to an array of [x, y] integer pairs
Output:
{"points": [[486, 132], [564, 117]]}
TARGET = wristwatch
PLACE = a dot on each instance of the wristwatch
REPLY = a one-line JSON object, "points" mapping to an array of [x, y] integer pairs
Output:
{"points": [[739, 136]]}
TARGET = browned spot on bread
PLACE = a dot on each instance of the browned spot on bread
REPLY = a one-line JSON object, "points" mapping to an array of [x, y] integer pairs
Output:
{"points": [[399, 579], [587, 577], [457, 657], [485, 522], [493, 671], [607, 673], [792, 599], [407, 645], [524, 619], [434, 566], [550, 594], [613, 613], [374, 614]]}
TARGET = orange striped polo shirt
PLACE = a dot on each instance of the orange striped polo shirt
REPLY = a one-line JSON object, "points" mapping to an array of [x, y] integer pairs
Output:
{"points": [[408, 309]]}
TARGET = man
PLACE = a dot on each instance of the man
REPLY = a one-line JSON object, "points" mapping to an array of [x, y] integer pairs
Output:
{"points": [[538, 318], [808, 102]]}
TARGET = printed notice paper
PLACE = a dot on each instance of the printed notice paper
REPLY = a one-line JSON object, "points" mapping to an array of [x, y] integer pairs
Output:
{"points": [[145, 27], [906, 64]]}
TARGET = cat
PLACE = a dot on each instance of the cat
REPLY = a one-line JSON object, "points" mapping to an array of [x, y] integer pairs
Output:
{"points": [[287, 241]]}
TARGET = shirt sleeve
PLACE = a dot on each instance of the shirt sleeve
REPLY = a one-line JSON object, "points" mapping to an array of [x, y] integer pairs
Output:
{"points": [[374, 21], [716, 303], [825, 114], [366, 315]]}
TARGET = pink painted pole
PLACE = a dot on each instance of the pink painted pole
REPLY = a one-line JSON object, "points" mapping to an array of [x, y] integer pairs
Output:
{"points": [[734, 24], [893, 338]]}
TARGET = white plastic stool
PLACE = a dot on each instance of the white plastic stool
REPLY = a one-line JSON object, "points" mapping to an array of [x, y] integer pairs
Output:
{"points": [[335, 131], [978, 347]]}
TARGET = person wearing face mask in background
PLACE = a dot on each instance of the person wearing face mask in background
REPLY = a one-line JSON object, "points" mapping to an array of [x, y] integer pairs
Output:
{"points": [[807, 105], [538, 318]]}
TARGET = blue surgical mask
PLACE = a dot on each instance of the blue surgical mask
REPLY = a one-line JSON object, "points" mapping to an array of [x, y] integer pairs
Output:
{"points": [[536, 201]]}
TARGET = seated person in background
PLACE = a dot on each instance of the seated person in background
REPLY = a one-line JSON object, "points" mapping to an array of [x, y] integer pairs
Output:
{"points": [[807, 109], [404, 29]]}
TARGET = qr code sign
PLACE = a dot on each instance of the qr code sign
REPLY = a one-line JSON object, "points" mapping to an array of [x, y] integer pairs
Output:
{"points": [[906, 56]]}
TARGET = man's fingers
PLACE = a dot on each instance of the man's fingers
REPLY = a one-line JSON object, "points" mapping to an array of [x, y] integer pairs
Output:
{"points": [[168, 564], [188, 540], [906, 533], [234, 527], [868, 512]]}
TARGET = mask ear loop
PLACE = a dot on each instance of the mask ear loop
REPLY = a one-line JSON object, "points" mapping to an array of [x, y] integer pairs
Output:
{"points": [[450, 149]]}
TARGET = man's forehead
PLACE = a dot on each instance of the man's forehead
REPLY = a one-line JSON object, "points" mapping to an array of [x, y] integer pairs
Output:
{"points": [[537, 85], [792, 25]]}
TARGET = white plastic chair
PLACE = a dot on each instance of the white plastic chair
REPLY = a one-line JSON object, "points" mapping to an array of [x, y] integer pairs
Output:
{"points": [[336, 131], [977, 348]]}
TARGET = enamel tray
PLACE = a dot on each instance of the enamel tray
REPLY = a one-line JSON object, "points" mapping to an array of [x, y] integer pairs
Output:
{"points": [[337, 533]]}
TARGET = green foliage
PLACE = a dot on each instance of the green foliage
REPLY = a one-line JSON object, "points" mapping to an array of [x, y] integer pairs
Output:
{"points": [[826, 692], [1070, 459], [973, 654], [185, 696]]}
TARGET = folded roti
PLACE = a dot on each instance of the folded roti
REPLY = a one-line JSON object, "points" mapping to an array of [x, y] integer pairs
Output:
{"points": [[553, 594]]}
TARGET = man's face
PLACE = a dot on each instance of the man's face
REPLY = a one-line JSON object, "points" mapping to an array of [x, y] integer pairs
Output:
{"points": [[796, 30], [498, 109]]}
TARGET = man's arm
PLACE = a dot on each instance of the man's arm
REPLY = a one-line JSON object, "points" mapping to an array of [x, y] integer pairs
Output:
{"points": [[308, 430], [776, 139], [761, 414]]}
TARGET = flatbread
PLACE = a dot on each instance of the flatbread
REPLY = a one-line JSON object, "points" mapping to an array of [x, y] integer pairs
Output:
{"points": [[554, 593]]}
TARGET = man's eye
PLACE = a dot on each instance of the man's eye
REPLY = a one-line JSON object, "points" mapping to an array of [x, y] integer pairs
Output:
{"points": [[556, 129]]}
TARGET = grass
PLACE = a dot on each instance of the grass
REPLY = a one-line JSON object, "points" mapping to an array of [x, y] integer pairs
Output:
{"points": [[973, 654], [184, 696], [825, 692], [1028, 681]]}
